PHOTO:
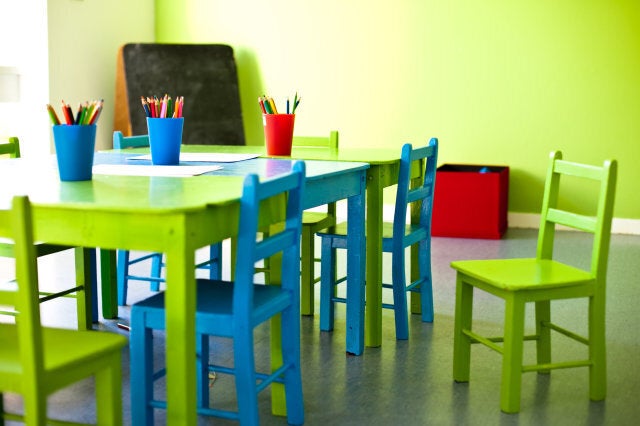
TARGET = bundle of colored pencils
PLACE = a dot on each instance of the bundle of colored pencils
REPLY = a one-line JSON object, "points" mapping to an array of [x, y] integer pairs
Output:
{"points": [[268, 105], [88, 113], [162, 108]]}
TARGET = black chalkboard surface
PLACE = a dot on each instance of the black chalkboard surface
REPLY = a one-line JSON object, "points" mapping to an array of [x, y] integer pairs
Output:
{"points": [[205, 74]]}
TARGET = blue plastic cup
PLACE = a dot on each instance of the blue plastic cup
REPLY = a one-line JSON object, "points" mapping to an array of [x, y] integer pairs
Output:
{"points": [[165, 138], [75, 145]]}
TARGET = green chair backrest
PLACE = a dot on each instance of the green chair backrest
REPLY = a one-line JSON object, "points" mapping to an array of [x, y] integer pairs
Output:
{"points": [[330, 142], [123, 142], [556, 208], [17, 226], [11, 146]]}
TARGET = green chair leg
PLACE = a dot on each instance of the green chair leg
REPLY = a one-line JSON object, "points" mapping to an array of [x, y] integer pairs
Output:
{"points": [[512, 355], [108, 408], [597, 350], [462, 342], [307, 266], [543, 342]]}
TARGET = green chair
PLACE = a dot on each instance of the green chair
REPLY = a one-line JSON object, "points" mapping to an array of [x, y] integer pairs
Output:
{"points": [[124, 260], [84, 294], [544, 279], [36, 361]]}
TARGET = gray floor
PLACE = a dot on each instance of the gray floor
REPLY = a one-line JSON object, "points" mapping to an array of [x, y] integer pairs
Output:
{"points": [[409, 382]]}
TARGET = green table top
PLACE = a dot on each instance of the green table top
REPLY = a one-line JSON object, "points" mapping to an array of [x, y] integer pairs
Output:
{"points": [[372, 156], [38, 178]]}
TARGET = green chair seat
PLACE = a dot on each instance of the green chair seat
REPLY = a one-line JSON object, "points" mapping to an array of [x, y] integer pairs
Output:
{"points": [[523, 274]]}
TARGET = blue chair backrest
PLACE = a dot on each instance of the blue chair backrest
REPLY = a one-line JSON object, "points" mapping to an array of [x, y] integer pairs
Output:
{"points": [[269, 196], [122, 142], [426, 158]]}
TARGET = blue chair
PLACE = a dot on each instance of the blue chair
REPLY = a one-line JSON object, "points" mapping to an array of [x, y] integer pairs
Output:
{"points": [[84, 290], [396, 237], [234, 309], [124, 260], [312, 222]]}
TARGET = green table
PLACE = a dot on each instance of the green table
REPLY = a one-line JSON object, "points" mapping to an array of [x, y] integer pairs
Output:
{"points": [[175, 216]]}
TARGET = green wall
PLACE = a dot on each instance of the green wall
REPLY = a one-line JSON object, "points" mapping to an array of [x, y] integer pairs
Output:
{"points": [[497, 81]]}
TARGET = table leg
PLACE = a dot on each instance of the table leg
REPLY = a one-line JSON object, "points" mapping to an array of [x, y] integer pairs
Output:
{"points": [[180, 306], [278, 395], [108, 284], [355, 273], [87, 308], [373, 310]]}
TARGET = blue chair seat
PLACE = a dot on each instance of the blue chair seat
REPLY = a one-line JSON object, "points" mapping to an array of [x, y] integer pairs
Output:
{"points": [[215, 308]]}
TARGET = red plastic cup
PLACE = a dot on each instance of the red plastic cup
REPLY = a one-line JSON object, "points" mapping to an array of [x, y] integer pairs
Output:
{"points": [[278, 133]]}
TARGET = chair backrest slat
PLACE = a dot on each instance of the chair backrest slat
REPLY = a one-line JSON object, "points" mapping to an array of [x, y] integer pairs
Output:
{"points": [[573, 220], [123, 142], [270, 246], [598, 224], [330, 142], [586, 171]]}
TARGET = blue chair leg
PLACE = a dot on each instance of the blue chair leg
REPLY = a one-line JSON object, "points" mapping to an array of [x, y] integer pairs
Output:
{"points": [[93, 273], [202, 351], [291, 357], [327, 284], [141, 371], [246, 391], [426, 286], [122, 272], [215, 268], [156, 270], [400, 297]]}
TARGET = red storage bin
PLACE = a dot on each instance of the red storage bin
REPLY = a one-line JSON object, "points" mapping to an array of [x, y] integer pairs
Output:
{"points": [[470, 201]]}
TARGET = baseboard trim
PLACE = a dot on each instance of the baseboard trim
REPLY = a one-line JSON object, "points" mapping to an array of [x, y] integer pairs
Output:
{"points": [[519, 220]]}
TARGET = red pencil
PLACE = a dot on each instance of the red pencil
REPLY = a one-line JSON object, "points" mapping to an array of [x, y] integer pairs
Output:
{"points": [[68, 115]]}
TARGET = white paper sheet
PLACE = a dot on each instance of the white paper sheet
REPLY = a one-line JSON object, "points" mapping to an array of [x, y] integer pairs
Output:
{"points": [[207, 157], [144, 170]]}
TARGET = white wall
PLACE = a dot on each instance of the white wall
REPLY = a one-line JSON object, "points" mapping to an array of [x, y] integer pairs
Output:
{"points": [[24, 47], [65, 49], [84, 36]]}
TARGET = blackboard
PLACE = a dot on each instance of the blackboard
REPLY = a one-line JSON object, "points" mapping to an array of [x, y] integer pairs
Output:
{"points": [[205, 74]]}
